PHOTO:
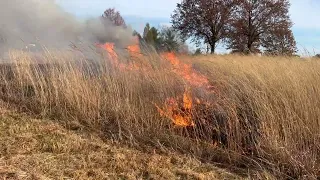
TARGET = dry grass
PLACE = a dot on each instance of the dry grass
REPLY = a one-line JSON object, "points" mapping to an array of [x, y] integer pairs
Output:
{"points": [[279, 97], [43, 149], [264, 112]]}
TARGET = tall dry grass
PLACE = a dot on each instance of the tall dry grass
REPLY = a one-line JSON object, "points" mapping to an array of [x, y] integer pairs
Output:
{"points": [[264, 112], [279, 98]]}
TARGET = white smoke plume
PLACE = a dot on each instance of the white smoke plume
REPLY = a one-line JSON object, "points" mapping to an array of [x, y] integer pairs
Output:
{"points": [[24, 22]]}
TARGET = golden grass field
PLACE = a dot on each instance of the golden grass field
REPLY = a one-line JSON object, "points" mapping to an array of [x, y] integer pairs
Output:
{"points": [[257, 117]]}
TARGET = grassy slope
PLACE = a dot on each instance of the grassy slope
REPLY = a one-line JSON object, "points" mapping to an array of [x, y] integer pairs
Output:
{"points": [[43, 149], [263, 111]]}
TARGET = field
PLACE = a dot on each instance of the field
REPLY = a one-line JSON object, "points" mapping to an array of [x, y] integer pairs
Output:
{"points": [[257, 117]]}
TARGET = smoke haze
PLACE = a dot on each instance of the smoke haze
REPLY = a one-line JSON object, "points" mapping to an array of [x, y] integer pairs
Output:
{"points": [[24, 22]]}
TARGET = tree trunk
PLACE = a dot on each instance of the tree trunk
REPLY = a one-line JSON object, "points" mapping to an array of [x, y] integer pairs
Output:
{"points": [[249, 47], [213, 48]]}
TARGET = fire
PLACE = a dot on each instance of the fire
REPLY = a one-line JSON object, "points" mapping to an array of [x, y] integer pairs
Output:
{"points": [[187, 100], [180, 114], [134, 48], [135, 55], [179, 110], [172, 58], [186, 71], [182, 69], [134, 52], [109, 47]]}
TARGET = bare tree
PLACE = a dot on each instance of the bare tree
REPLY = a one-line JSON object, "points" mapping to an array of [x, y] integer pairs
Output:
{"points": [[203, 20], [114, 16], [256, 23]]}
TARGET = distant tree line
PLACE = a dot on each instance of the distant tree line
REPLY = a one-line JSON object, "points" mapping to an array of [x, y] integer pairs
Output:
{"points": [[243, 26], [163, 39]]}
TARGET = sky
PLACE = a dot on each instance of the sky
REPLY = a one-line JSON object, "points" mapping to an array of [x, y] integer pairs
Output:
{"points": [[304, 13]]}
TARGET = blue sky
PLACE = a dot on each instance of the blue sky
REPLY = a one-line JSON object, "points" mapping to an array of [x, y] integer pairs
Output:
{"points": [[304, 13]]}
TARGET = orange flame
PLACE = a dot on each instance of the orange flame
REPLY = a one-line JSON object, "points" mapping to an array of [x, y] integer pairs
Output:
{"points": [[187, 100], [109, 47], [134, 52], [181, 115], [134, 49], [135, 55], [186, 71]]}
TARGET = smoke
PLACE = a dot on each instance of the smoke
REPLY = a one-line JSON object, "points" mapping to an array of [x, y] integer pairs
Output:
{"points": [[24, 22]]}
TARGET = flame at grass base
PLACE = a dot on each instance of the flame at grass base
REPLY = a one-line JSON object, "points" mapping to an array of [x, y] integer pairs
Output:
{"points": [[180, 114]]}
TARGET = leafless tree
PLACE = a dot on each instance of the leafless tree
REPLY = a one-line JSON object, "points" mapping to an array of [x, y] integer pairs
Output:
{"points": [[114, 16]]}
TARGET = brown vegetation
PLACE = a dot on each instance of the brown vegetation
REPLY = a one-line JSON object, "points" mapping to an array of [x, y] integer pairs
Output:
{"points": [[260, 114], [44, 149]]}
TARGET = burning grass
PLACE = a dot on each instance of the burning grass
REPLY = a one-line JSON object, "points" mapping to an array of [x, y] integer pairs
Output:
{"points": [[180, 114], [254, 113]]}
